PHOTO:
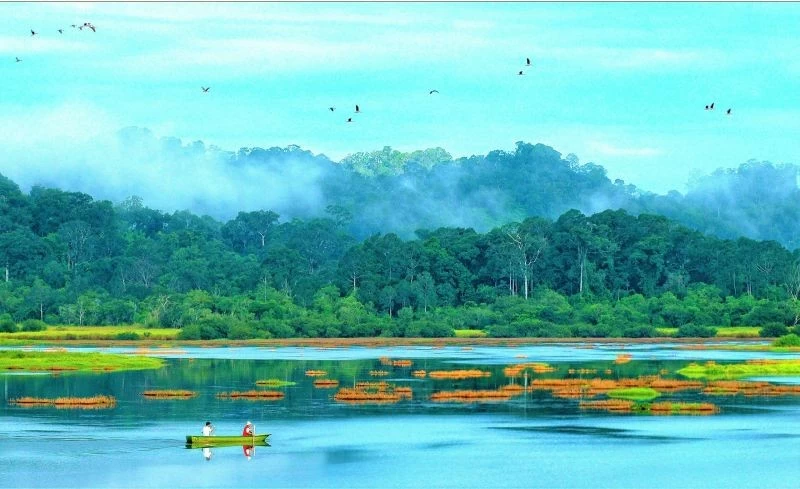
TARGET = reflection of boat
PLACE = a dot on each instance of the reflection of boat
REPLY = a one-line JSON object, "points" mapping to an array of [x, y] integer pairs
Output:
{"points": [[221, 441]]}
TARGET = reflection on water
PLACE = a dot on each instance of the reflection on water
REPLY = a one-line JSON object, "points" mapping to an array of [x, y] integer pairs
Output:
{"points": [[497, 429]]}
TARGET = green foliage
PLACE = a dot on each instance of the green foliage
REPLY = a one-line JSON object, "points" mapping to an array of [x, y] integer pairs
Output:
{"points": [[789, 340], [8, 325], [634, 393], [692, 330], [773, 330], [30, 325], [128, 335]]}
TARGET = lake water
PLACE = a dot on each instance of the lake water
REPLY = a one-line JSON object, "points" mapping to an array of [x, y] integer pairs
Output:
{"points": [[533, 440]]}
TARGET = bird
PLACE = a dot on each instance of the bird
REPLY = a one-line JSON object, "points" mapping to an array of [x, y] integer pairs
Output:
{"points": [[89, 25], [358, 110], [710, 107], [331, 108], [433, 91], [18, 60], [74, 26], [206, 89], [33, 33], [527, 61], [520, 73], [61, 31], [728, 112], [349, 119]]}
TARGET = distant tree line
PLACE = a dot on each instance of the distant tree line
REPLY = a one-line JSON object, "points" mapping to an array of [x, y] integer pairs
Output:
{"points": [[68, 259]]}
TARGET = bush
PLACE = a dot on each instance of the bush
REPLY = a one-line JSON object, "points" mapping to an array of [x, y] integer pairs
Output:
{"points": [[773, 330], [8, 326], [692, 330], [788, 340], [30, 325], [127, 335]]}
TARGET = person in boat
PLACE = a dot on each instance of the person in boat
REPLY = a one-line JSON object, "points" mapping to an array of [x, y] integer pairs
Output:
{"points": [[208, 429], [248, 429]]}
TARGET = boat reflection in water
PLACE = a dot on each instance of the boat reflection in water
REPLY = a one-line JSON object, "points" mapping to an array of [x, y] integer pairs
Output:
{"points": [[207, 453]]}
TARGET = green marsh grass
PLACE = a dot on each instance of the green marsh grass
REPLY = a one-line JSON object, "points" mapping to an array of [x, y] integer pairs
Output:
{"points": [[634, 393], [57, 361], [716, 371]]}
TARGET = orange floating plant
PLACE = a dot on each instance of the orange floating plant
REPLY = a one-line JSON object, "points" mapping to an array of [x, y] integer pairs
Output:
{"points": [[326, 383], [458, 374], [252, 395], [169, 394], [316, 373]]}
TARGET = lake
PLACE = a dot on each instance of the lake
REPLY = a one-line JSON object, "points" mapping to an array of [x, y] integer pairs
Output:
{"points": [[533, 438]]}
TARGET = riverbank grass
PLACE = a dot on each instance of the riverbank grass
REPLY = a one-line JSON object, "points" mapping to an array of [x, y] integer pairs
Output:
{"points": [[58, 361], [634, 393], [69, 333], [715, 371]]}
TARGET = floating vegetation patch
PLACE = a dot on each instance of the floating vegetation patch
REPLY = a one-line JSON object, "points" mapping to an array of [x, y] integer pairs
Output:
{"points": [[402, 363], [326, 383], [623, 358], [458, 374], [316, 373], [420, 374], [634, 393], [535, 367], [363, 396], [169, 394], [93, 402], [274, 383], [252, 395], [482, 395], [683, 408], [715, 371], [382, 385], [582, 371], [378, 373], [610, 405]]}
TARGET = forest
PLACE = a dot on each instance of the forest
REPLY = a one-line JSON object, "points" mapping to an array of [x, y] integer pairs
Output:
{"points": [[544, 269]]}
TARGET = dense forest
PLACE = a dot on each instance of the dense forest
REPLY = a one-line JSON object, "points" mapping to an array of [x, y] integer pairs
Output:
{"points": [[69, 259]]}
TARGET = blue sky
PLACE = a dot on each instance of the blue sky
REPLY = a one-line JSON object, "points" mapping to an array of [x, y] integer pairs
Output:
{"points": [[622, 85]]}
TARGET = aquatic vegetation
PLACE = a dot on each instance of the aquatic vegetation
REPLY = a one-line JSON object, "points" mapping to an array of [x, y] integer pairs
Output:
{"points": [[274, 383], [484, 395], [634, 393], [623, 358], [169, 394], [93, 402], [458, 374], [378, 373], [611, 405], [683, 408], [419, 374], [535, 367], [402, 363], [326, 383], [715, 371], [316, 373], [382, 385], [582, 371], [356, 395], [58, 361], [253, 395]]}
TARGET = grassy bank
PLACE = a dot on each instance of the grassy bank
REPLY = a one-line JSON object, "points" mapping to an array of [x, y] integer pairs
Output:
{"points": [[715, 371], [57, 361], [130, 332]]}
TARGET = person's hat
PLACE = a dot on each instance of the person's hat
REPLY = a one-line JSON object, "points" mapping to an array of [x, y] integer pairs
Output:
{"points": [[249, 422]]}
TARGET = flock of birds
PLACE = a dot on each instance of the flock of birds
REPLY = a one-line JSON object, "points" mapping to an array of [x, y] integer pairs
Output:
{"points": [[89, 25]]}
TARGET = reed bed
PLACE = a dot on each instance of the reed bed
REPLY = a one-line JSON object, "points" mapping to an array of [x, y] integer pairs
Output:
{"points": [[714, 371], [253, 395], [404, 392], [402, 363], [483, 395], [274, 383], [582, 371], [385, 361], [326, 383], [458, 374], [316, 373], [169, 394], [378, 373], [362, 396], [610, 405], [382, 385], [93, 402], [683, 408], [420, 374], [623, 358]]}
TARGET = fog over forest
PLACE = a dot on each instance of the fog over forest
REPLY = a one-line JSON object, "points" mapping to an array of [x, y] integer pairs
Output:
{"points": [[392, 191]]}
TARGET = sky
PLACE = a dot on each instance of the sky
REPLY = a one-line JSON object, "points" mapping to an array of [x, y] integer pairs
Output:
{"points": [[622, 85]]}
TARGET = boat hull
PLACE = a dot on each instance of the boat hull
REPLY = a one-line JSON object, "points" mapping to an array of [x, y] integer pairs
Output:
{"points": [[213, 441]]}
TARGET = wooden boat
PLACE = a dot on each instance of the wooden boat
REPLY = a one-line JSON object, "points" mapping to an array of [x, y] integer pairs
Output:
{"points": [[217, 441]]}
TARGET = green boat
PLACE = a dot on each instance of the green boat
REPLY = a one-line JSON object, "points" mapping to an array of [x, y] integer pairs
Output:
{"points": [[217, 441]]}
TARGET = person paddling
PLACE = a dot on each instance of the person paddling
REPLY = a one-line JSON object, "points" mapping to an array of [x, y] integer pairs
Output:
{"points": [[248, 429], [208, 429]]}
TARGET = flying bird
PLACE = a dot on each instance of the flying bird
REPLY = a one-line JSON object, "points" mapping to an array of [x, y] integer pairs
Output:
{"points": [[710, 107], [527, 61], [18, 60], [331, 108], [728, 112], [349, 119], [433, 91], [206, 89], [61, 31], [33, 33], [358, 111], [520, 73], [89, 25]]}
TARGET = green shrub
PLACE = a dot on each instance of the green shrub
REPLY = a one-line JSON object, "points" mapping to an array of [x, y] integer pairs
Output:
{"points": [[692, 330], [127, 335], [773, 330], [787, 340], [8, 326], [30, 325]]}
